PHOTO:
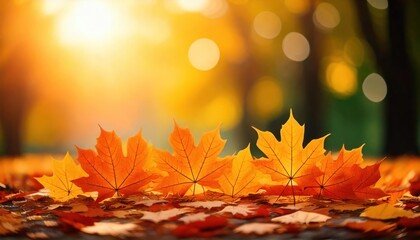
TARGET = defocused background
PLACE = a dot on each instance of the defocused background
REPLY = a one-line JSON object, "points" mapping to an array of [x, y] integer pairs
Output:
{"points": [[350, 68]]}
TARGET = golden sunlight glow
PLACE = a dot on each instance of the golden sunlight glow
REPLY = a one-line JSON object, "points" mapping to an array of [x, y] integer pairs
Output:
{"points": [[215, 9], [296, 47], [341, 78], [265, 100], [267, 24], [47, 133], [53, 6], [193, 5], [297, 6], [374, 87], [224, 109], [92, 22], [204, 54], [326, 16]]}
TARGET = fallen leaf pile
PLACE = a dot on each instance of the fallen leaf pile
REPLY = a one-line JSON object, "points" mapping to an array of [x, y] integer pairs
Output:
{"points": [[294, 190]]}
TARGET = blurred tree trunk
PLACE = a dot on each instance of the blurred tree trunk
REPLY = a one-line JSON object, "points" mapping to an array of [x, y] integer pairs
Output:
{"points": [[311, 82], [14, 101], [247, 73], [395, 65], [15, 71]]}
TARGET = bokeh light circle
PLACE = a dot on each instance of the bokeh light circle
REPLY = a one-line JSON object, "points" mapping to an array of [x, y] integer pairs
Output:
{"points": [[204, 54], [326, 16], [265, 99], [341, 79], [193, 5], [379, 4], [374, 87], [296, 47], [267, 24]]}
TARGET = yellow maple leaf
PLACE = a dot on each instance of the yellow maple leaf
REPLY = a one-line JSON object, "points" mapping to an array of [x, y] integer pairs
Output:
{"points": [[60, 185], [242, 178], [287, 159], [385, 211]]}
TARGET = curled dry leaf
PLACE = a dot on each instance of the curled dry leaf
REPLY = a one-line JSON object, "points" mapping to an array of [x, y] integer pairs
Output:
{"points": [[208, 227], [74, 220], [204, 204], [411, 223], [157, 217], [243, 209], [9, 223], [302, 217], [149, 202], [385, 211], [415, 186], [114, 229], [195, 217], [257, 228], [368, 226]]}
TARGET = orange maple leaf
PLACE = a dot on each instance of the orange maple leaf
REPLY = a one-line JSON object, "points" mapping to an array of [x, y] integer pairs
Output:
{"points": [[287, 159], [191, 166], [342, 178], [364, 180], [110, 172], [333, 178]]}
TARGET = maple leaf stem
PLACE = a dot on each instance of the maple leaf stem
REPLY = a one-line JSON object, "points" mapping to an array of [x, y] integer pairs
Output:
{"points": [[70, 188], [293, 192], [202, 188], [287, 184]]}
